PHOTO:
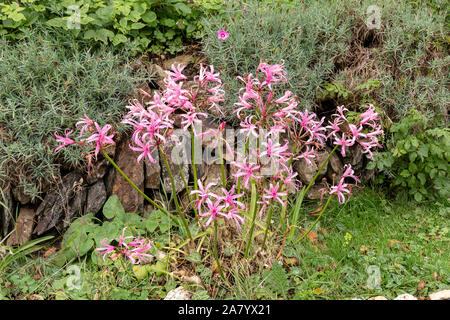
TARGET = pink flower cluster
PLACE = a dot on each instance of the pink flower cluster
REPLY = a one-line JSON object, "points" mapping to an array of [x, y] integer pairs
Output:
{"points": [[219, 202], [135, 250], [364, 131], [153, 123], [91, 135]]}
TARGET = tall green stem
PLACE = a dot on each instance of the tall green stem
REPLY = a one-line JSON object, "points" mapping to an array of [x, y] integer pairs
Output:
{"points": [[253, 213], [162, 209], [216, 254], [269, 217], [174, 193], [315, 222]]}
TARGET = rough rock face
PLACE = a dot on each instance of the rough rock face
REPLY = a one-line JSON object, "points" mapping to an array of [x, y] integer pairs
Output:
{"points": [[212, 173], [307, 171], [20, 196], [6, 211], [61, 204], [171, 153], [153, 171], [99, 170], [96, 197], [131, 200], [24, 227], [335, 166]]}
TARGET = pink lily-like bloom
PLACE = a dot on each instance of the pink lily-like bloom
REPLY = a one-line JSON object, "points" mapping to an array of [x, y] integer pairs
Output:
{"points": [[248, 171], [145, 148], [65, 141], [229, 198], [176, 73], [101, 137], [86, 122], [344, 143], [137, 253], [222, 35], [231, 214], [273, 194], [107, 249], [203, 193], [369, 115], [273, 73], [349, 173], [215, 209], [339, 190]]}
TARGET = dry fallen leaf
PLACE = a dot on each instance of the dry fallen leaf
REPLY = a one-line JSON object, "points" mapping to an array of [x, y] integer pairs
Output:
{"points": [[312, 236], [421, 286], [363, 249], [49, 252]]}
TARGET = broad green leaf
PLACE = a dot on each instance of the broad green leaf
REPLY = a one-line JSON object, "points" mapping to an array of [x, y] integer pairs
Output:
{"points": [[113, 208], [149, 16], [105, 13]]}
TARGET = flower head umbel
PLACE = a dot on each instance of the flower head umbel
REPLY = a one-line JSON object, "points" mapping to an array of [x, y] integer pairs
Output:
{"points": [[135, 250], [222, 35]]}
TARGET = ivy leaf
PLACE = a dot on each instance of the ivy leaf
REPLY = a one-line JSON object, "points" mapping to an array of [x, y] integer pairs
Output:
{"points": [[137, 25]]}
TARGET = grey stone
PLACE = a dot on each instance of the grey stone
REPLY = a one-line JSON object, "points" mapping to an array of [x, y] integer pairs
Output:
{"points": [[126, 160], [62, 203], [153, 171], [96, 197], [171, 155]]}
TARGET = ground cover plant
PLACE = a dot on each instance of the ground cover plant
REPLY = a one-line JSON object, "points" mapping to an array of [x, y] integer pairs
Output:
{"points": [[332, 264], [48, 80]]}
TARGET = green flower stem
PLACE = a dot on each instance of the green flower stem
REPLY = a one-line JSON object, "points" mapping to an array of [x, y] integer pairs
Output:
{"points": [[222, 165], [315, 222], [216, 254], [283, 209], [269, 217], [304, 191], [253, 211], [194, 165], [187, 189], [174, 219], [245, 151], [174, 193]]}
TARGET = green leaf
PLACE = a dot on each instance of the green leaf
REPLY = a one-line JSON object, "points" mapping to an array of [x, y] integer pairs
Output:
{"points": [[151, 225], [137, 25], [105, 13], [119, 38], [149, 17], [277, 279], [140, 271], [194, 257], [182, 8], [418, 197], [113, 208]]}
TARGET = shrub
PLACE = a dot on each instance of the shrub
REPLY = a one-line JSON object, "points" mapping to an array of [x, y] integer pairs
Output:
{"points": [[328, 42], [47, 82], [158, 25], [417, 158]]}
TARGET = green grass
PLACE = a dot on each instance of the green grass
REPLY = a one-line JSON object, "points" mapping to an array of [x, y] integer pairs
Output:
{"points": [[409, 245]]}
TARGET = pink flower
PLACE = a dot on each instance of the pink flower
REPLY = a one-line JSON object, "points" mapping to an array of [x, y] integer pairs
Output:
{"points": [[339, 189], [107, 249], [214, 209], [273, 194], [65, 141], [222, 35], [248, 171], [203, 193], [177, 75], [349, 173], [344, 143], [229, 198], [101, 137]]}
